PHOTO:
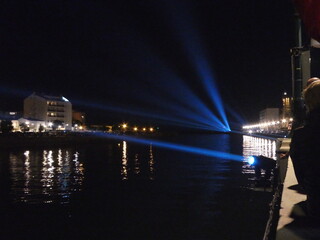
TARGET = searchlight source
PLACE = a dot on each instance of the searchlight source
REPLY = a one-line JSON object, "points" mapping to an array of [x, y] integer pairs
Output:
{"points": [[251, 160], [262, 162]]}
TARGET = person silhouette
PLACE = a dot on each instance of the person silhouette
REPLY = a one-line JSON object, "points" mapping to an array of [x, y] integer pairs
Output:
{"points": [[305, 149]]}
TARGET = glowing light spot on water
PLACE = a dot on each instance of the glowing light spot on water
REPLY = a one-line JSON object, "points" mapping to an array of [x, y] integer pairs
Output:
{"points": [[251, 160]]}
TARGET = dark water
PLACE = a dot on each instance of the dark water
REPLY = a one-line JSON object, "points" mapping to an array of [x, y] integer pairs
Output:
{"points": [[122, 190]]}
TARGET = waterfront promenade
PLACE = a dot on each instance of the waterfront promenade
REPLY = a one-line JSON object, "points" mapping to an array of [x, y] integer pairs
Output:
{"points": [[293, 223]]}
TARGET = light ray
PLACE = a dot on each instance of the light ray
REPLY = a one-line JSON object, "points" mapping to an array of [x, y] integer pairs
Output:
{"points": [[174, 146]]}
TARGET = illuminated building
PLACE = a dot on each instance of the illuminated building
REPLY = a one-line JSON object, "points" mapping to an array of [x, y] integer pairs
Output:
{"points": [[48, 109], [33, 125], [269, 115], [11, 116], [271, 121]]}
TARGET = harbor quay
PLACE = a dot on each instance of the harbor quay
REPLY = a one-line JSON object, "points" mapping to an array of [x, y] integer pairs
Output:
{"points": [[288, 218], [293, 222]]}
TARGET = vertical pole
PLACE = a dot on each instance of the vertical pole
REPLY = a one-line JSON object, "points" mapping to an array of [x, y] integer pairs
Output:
{"points": [[297, 103]]}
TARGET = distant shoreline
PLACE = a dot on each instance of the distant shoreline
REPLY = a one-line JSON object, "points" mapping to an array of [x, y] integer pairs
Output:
{"points": [[13, 140], [49, 139]]}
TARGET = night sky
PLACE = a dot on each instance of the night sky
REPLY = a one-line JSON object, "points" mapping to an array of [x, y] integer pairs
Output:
{"points": [[142, 54]]}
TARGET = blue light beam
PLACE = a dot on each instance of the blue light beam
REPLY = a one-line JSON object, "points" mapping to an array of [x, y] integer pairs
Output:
{"points": [[193, 45], [182, 112], [167, 119], [173, 146]]}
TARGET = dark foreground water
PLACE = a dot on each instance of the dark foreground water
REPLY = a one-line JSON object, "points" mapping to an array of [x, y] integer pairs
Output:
{"points": [[122, 190]]}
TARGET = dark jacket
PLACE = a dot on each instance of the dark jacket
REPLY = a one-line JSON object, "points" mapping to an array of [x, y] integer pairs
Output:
{"points": [[305, 153]]}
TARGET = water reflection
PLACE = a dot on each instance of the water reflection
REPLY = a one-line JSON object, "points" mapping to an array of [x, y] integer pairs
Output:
{"points": [[27, 172], [257, 146], [190, 196], [136, 164], [46, 176], [136, 160], [124, 169], [151, 164]]}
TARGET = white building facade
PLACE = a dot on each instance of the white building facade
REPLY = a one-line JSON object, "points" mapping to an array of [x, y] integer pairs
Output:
{"points": [[269, 115], [48, 109]]}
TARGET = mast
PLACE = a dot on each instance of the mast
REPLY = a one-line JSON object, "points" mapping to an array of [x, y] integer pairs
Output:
{"points": [[300, 67]]}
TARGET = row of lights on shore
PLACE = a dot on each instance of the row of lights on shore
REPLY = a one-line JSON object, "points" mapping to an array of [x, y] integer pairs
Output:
{"points": [[78, 127], [268, 124], [136, 129], [50, 124]]}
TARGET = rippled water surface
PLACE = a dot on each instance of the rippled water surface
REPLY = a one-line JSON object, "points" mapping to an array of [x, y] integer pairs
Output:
{"points": [[122, 190]]}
